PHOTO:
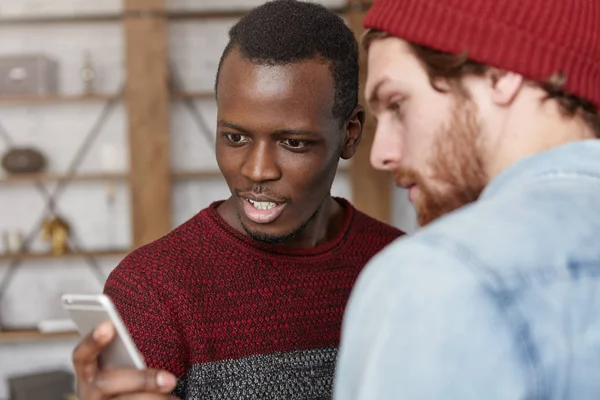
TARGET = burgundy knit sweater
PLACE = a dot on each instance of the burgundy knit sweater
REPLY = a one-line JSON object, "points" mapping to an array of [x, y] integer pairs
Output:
{"points": [[234, 318]]}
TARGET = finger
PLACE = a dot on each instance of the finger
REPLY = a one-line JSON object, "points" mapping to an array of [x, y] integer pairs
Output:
{"points": [[85, 355], [124, 381]]}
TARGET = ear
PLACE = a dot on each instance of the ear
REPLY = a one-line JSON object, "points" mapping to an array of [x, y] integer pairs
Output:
{"points": [[505, 86], [354, 128]]}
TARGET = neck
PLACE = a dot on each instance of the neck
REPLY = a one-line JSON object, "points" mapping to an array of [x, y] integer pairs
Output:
{"points": [[323, 226], [533, 130]]}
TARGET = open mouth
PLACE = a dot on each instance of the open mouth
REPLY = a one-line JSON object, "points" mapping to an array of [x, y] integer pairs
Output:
{"points": [[263, 205], [262, 212]]}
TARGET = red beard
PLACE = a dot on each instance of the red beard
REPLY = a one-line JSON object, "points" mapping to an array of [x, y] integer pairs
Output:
{"points": [[457, 165]]}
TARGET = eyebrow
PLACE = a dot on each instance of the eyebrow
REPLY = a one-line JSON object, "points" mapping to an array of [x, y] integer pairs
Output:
{"points": [[232, 126], [298, 132], [374, 95]]}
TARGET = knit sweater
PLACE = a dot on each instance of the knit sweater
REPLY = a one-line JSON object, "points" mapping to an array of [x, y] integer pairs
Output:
{"points": [[235, 318]]}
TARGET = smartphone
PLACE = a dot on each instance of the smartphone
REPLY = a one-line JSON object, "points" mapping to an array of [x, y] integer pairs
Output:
{"points": [[87, 312]]}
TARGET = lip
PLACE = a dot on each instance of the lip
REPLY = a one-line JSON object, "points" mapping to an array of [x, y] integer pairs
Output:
{"points": [[261, 216], [412, 192], [408, 183], [257, 197], [405, 183]]}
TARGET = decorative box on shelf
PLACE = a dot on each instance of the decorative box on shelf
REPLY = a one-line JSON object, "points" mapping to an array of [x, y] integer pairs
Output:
{"points": [[28, 74]]}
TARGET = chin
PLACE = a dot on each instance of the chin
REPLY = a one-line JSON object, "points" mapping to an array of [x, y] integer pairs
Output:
{"points": [[268, 236], [269, 233]]}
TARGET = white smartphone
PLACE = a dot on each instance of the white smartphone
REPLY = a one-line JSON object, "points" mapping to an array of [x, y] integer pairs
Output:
{"points": [[87, 312]]}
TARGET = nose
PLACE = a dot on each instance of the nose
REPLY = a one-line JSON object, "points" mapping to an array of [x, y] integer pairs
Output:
{"points": [[261, 163], [386, 148]]}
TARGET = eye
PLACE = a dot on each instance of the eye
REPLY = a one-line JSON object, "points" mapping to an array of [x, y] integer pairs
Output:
{"points": [[295, 143], [235, 138], [395, 106]]}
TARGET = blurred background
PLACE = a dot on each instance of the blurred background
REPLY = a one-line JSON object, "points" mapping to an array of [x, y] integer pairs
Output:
{"points": [[106, 142]]}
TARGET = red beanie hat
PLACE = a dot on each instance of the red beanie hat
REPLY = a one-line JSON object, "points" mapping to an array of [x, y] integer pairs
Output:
{"points": [[534, 38]]}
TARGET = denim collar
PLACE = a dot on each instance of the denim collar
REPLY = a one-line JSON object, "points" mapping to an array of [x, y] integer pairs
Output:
{"points": [[575, 158]]}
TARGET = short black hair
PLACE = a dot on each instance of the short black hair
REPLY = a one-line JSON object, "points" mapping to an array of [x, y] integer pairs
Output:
{"points": [[282, 32]]}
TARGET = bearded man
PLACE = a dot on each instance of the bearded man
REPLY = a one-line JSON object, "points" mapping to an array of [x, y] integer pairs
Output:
{"points": [[488, 114]]}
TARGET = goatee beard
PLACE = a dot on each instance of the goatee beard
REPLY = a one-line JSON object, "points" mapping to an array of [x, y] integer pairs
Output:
{"points": [[457, 167], [279, 239]]}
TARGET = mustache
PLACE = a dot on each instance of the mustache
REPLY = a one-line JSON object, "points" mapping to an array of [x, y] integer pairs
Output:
{"points": [[406, 174]]}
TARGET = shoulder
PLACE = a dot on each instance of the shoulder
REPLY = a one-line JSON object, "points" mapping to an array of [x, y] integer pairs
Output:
{"points": [[367, 226], [416, 305], [437, 262], [167, 252], [502, 240], [520, 234], [417, 263]]}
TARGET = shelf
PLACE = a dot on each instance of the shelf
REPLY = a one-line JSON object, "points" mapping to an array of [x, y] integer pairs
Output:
{"points": [[34, 336], [19, 100], [208, 14], [6, 99], [176, 175], [119, 17], [82, 254], [207, 95], [183, 15], [28, 178], [175, 15], [30, 19]]}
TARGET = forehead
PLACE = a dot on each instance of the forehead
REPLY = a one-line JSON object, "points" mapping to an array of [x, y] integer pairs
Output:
{"points": [[391, 60], [302, 90]]}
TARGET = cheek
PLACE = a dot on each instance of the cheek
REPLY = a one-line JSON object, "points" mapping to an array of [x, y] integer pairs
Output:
{"points": [[223, 161], [230, 162], [306, 170], [425, 125], [418, 139], [307, 178]]}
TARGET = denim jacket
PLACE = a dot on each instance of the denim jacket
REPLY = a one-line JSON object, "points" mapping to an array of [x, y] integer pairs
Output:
{"points": [[497, 300]]}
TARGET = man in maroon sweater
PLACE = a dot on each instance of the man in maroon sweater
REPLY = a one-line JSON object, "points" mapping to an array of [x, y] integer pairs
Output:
{"points": [[245, 300]]}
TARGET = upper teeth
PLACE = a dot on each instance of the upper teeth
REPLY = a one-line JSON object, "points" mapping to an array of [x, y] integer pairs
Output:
{"points": [[262, 205]]}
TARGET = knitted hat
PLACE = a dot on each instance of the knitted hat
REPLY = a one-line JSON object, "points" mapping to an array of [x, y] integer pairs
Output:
{"points": [[534, 38]]}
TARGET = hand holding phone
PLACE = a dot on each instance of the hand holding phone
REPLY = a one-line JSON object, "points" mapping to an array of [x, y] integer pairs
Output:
{"points": [[104, 374], [89, 311]]}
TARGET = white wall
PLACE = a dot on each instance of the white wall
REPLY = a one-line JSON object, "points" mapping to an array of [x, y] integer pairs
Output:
{"points": [[58, 129]]}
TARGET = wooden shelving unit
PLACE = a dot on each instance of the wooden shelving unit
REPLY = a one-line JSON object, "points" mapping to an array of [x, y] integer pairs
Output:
{"points": [[79, 19], [101, 177], [82, 254], [23, 100], [32, 100], [207, 95], [61, 19], [371, 189], [29, 178], [20, 336], [217, 14], [172, 15]]}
